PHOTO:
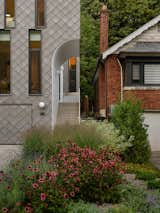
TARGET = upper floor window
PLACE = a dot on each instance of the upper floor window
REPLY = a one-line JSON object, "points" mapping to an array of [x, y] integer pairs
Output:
{"points": [[40, 22], [4, 62], [9, 14], [34, 62]]}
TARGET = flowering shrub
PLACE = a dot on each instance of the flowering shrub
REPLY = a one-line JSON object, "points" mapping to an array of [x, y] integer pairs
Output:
{"points": [[73, 173]]}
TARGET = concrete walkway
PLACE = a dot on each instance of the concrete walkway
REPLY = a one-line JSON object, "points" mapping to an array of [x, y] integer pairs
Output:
{"points": [[8, 153], [155, 159]]}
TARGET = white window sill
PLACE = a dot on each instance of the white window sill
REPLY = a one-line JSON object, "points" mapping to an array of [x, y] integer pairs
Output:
{"points": [[141, 88]]}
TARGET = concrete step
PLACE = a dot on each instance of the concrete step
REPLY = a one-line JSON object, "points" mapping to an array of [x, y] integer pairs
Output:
{"points": [[68, 113]]}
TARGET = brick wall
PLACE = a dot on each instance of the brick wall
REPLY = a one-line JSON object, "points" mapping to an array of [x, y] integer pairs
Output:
{"points": [[150, 98], [113, 78], [101, 89]]}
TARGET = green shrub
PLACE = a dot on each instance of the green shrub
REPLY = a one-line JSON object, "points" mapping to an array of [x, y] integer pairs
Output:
{"points": [[145, 176], [93, 134], [143, 170], [128, 118], [120, 209], [39, 141], [47, 185], [110, 136], [139, 200], [154, 184], [82, 207]]}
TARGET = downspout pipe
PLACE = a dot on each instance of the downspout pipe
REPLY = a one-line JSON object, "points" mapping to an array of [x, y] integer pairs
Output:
{"points": [[121, 70]]}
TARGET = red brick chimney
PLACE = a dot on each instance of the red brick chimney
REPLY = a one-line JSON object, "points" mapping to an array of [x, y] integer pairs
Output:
{"points": [[102, 74], [104, 29]]}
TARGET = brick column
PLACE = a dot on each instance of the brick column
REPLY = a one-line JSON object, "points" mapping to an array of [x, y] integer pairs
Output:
{"points": [[102, 75]]}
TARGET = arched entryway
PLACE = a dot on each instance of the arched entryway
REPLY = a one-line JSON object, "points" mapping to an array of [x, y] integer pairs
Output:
{"points": [[61, 60]]}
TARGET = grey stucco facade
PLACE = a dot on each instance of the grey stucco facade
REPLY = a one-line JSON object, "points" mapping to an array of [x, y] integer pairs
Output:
{"points": [[19, 111]]}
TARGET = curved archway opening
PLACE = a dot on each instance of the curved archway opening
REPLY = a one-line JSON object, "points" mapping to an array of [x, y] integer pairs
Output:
{"points": [[60, 59]]}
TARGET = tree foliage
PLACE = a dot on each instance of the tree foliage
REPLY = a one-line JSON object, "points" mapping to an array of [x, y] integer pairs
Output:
{"points": [[125, 16], [128, 118]]}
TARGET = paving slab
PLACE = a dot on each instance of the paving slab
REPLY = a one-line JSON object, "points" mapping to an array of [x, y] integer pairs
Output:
{"points": [[8, 153]]}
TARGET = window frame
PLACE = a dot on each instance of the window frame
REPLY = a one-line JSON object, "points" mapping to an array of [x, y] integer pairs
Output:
{"points": [[128, 81], [29, 64], [36, 16], [10, 86], [5, 12]]}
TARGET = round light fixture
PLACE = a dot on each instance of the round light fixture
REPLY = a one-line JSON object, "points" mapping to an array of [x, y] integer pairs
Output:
{"points": [[42, 105]]}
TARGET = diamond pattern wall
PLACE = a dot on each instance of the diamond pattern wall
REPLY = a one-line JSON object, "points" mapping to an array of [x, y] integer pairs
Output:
{"points": [[1, 14], [62, 24], [15, 121]]}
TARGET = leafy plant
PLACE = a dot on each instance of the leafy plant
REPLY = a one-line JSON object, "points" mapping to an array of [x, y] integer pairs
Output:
{"points": [[93, 134], [145, 176], [142, 169], [47, 185], [154, 184], [140, 201], [120, 209], [82, 207], [128, 118]]}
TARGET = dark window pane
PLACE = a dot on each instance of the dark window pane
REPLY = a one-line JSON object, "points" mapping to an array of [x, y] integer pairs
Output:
{"points": [[136, 73], [34, 72], [9, 13], [4, 62], [40, 13], [35, 62], [72, 74]]}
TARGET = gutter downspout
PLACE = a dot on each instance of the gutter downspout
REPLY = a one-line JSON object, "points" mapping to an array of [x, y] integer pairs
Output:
{"points": [[121, 70]]}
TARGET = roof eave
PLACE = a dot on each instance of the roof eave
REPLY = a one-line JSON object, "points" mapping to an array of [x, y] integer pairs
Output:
{"points": [[130, 37]]}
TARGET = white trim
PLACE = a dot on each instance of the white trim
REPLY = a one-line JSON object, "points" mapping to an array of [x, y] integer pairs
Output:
{"points": [[141, 88], [130, 37], [121, 69]]}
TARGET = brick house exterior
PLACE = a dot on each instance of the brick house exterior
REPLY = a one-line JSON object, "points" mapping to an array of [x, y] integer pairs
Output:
{"points": [[41, 55], [130, 68]]}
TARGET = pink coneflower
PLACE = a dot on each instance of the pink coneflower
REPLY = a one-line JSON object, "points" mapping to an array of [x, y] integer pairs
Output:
{"points": [[43, 196], [9, 187], [36, 170], [4, 209], [77, 189], [72, 194], [30, 167], [41, 180], [65, 196], [28, 209], [35, 185]]}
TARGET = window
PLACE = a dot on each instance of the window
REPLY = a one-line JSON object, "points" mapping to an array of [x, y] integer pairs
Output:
{"points": [[40, 13], [9, 14], [136, 73], [158, 27], [152, 74], [34, 62], [142, 71], [4, 62], [72, 74]]}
